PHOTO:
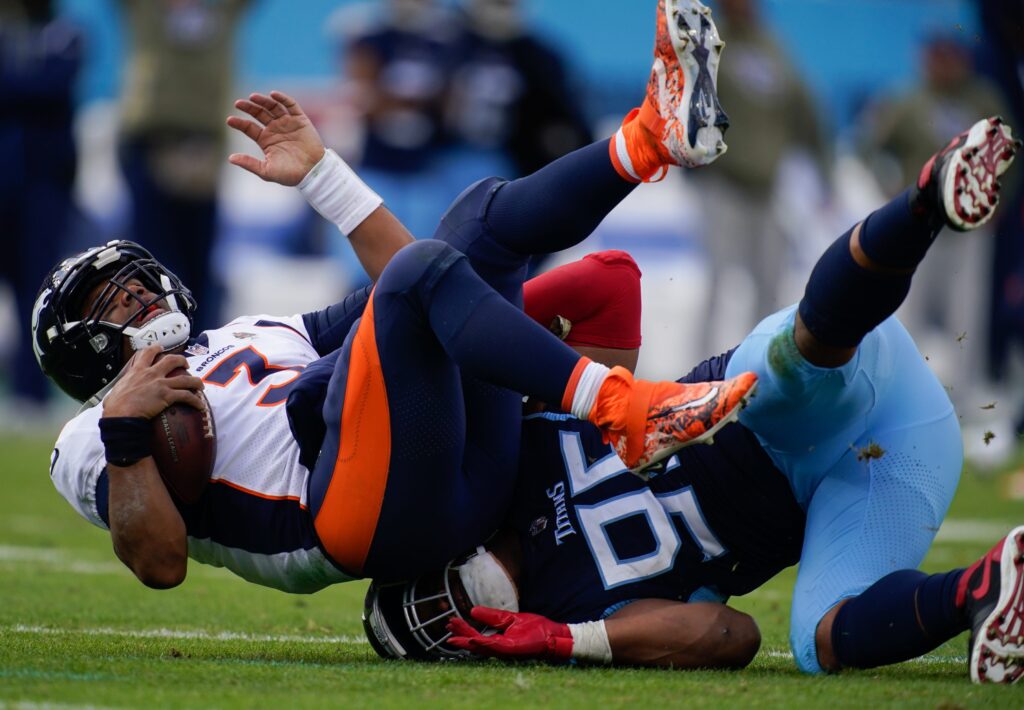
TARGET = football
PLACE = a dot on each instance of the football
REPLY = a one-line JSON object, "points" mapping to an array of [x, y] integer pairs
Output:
{"points": [[185, 447]]}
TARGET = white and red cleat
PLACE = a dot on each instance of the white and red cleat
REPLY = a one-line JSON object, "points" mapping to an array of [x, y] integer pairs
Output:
{"points": [[960, 184], [992, 590]]}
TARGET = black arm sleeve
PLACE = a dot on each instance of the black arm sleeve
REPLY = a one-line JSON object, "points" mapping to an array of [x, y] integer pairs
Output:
{"points": [[327, 328], [711, 369]]}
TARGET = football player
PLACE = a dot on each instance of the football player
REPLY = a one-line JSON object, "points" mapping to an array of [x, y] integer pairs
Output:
{"points": [[846, 460], [848, 411], [419, 421]]}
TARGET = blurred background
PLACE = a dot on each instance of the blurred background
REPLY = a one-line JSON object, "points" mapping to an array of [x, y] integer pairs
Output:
{"points": [[112, 126]]}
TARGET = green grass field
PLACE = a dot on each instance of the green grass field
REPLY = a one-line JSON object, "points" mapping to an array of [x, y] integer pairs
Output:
{"points": [[77, 630]]}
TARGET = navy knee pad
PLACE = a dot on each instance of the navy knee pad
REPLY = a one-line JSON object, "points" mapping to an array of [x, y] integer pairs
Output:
{"points": [[469, 207], [417, 268]]}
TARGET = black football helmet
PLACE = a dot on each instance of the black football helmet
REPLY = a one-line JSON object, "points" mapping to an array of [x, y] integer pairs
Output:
{"points": [[74, 347], [408, 620]]}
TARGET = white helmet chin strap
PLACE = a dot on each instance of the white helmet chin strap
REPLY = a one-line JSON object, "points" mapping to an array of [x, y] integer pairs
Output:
{"points": [[168, 330]]}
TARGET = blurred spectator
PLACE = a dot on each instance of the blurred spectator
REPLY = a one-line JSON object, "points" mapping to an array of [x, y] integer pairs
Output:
{"points": [[450, 97], [1001, 57], [397, 66], [40, 55], [902, 132], [510, 95], [177, 90], [909, 127], [771, 114]]}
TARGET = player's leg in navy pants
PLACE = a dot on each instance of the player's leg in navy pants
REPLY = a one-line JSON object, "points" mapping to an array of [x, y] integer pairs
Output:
{"points": [[499, 225], [442, 353], [396, 458]]}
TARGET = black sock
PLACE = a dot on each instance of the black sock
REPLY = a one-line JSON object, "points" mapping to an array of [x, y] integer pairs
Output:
{"points": [[844, 301], [901, 616], [893, 236]]}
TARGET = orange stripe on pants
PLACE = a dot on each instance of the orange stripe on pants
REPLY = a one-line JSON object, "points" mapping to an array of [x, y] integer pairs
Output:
{"points": [[351, 507]]}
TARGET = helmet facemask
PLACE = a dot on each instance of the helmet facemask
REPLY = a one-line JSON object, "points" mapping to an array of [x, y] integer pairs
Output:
{"points": [[76, 348], [409, 620], [168, 330]]}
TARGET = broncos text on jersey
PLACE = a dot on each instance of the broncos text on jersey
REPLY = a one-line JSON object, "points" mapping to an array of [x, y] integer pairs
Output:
{"points": [[252, 518]]}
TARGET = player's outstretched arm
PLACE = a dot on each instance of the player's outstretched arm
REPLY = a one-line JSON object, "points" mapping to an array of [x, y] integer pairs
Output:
{"points": [[669, 634], [292, 148], [147, 531], [648, 632]]}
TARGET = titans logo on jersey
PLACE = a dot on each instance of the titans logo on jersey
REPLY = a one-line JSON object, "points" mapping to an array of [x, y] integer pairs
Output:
{"points": [[719, 521]]}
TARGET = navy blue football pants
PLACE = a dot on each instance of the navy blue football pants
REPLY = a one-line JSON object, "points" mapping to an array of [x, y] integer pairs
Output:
{"points": [[421, 451]]}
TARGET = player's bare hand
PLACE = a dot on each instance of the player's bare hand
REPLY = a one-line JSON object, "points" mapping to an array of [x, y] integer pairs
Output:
{"points": [[148, 386], [290, 143]]}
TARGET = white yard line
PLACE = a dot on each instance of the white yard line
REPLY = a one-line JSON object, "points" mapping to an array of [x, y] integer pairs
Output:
{"points": [[61, 560], [953, 530], [203, 635], [198, 634], [29, 705], [974, 530], [926, 660]]}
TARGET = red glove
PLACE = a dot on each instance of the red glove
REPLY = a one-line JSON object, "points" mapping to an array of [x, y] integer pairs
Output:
{"points": [[520, 636]]}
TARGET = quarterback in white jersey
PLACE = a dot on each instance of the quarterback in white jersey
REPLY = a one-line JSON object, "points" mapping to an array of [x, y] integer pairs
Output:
{"points": [[253, 517]]}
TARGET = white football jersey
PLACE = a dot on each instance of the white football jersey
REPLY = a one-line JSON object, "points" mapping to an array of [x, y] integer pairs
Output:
{"points": [[252, 517]]}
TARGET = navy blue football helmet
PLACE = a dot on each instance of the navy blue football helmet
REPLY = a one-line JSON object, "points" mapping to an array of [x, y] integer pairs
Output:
{"points": [[408, 620], [81, 352]]}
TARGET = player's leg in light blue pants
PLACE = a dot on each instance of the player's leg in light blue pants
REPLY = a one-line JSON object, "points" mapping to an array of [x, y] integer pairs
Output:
{"points": [[872, 450]]}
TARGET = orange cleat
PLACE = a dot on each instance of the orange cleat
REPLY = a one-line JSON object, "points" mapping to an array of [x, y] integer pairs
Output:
{"points": [[647, 421], [681, 119]]}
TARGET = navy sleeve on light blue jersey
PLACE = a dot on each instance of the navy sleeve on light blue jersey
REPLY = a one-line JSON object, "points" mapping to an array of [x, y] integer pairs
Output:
{"points": [[328, 327]]}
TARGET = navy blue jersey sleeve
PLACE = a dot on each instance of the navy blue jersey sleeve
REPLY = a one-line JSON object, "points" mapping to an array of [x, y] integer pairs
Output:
{"points": [[327, 328], [711, 369], [305, 407]]}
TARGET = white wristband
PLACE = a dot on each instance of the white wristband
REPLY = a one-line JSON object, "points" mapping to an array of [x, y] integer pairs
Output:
{"points": [[334, 190], [590, 642]]}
